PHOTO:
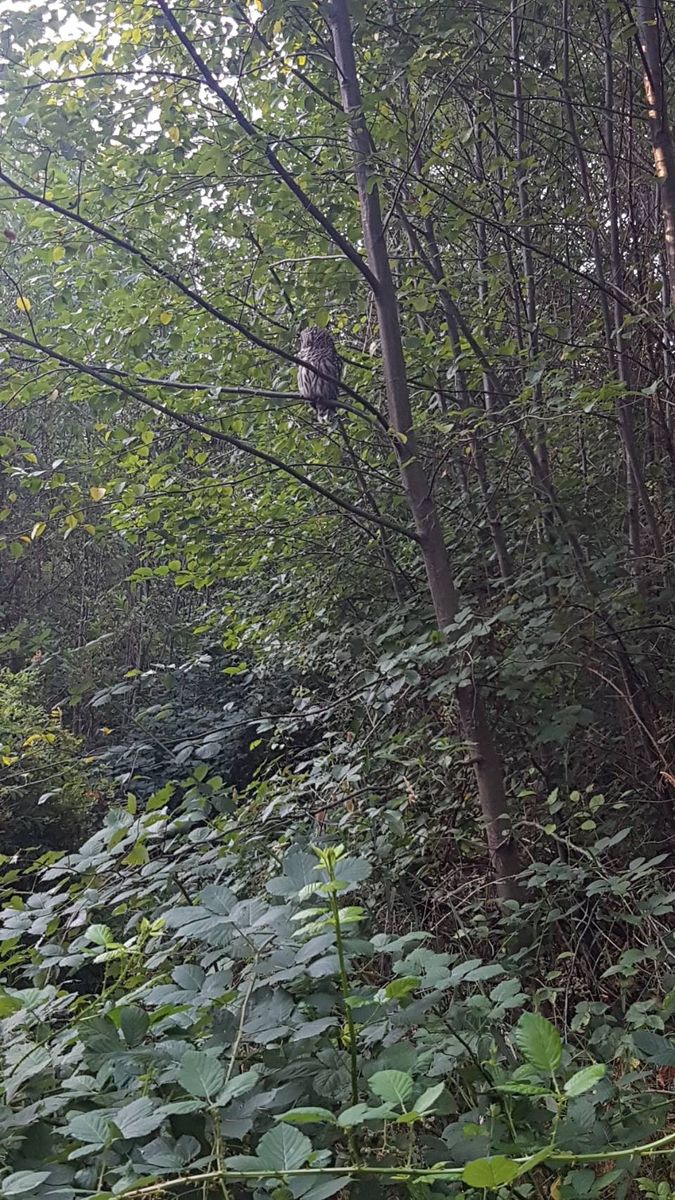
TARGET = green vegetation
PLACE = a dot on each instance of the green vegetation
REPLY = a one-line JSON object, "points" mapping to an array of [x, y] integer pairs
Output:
{"points": [[337, 785]]}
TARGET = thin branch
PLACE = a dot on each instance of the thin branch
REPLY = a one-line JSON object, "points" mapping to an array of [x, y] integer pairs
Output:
{"points": [[177, 282], [207, 431], [242, 120]]}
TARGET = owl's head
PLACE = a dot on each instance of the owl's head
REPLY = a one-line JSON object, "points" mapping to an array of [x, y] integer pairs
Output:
{"points": [[313, 337]]}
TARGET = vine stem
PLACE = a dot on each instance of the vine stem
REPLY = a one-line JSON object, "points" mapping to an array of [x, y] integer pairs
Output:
{"points": [[428, 1174], [346, 992]]}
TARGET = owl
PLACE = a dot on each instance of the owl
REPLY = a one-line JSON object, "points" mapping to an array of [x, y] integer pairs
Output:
{"points": [[318, 348]]}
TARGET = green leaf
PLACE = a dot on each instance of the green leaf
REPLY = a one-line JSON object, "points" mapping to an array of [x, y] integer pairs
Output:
{"points": [[394, 1087], [243, 1162], [655, 1048], [139, 1118], [514, 1088], [585, 1080], [490, 1172], [92, 1128], [324, 1187], [284, 1148], [539, 1042], [134, 1023], [427, 1100], [357, 1113], [8, 1004], [237, 1086], [304, 1116], [201, 1074], [23, 1181], [399, 988], [100, 935]]}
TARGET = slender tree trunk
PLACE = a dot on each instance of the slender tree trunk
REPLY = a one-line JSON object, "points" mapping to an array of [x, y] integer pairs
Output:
{"points": [[636, 489], [663, 144], [486, 761]]}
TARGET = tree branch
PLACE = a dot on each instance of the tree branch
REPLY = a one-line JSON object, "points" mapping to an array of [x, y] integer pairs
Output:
{"points": [[176, 281], [242, 120], [207, 431]]}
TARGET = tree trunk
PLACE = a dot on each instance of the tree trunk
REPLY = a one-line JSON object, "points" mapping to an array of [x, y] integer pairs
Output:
{"points": [[636, 488], [660, 132], [486, 761]]}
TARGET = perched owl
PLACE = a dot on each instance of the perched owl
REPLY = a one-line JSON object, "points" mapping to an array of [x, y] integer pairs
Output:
{"points": [[318, 348]]}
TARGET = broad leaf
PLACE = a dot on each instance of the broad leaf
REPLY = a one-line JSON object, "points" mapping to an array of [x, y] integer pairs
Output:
{"points": [[394, 1087], [539, 1041], [490, 1172], [284, 1148], [23, 1181], [585, 1080], [304, 1116], [201, 1074]]}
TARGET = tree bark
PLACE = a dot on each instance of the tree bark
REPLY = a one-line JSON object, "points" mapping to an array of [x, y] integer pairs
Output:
{"points": [[636, 488], [661, 134], [476, 728]]}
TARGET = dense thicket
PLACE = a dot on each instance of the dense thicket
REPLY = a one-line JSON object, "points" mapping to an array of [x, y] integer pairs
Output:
{"points": [[437, 630]]}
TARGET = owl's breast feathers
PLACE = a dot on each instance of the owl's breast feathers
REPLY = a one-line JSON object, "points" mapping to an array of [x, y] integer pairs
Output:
{"points": [[319, 391]]}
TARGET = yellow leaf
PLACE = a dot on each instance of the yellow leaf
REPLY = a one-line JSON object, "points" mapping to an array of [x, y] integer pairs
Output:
{"points": [[555, 1189], [259, 5], [91, 529], [302, 59], [174, 134], [23, 304], [58, 254], [37, 530], [165, 317], [97, 493]]}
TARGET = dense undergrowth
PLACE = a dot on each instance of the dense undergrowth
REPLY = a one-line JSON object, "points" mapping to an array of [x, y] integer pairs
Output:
{"points": [[191, 999], [336, 758]]}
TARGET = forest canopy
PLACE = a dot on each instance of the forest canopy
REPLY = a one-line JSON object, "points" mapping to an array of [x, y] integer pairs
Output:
{"points": [[337, 784]]}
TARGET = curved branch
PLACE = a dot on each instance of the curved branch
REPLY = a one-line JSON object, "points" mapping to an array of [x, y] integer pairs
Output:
{"points": [[242, 120], [177, 282], [215, 434]]}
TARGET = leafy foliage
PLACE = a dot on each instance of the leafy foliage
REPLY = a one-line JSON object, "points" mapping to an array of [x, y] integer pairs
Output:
{"points": [[276, 965], [47, 794]]}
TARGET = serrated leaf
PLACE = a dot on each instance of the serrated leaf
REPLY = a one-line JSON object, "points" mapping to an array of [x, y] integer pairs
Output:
{"points": [[323, 1188], [134, 1024], [356, 1113], [139, 1118], [428, 1098], [585, 1079], [201, 1074], [23, 1181], [490, 1172], [284, 1148], [514, 1088], [304, 1116], [539, 1041], [92, 1128], [394, 1087], [655, 1048], [237, 1086], [243, 1162]]}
